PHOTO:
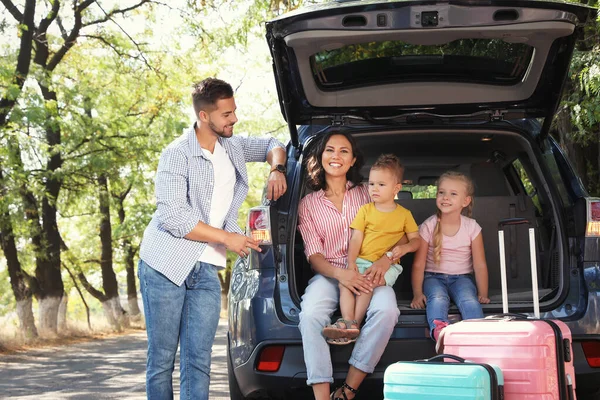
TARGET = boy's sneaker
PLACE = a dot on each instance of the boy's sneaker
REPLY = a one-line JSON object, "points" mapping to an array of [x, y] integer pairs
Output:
{"points": [[439, 325]]}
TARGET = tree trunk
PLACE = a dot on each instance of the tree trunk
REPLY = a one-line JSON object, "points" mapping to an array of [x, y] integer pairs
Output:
{"points": [[48, 309], [130, 251], [21, 291], [115, 314], [132, 298], [26, 319], [27, 29], [48, 271], [109, 278], [62, 313]]}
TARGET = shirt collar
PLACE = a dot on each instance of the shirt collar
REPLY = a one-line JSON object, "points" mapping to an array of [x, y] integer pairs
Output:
{"points": [[195, 147]]}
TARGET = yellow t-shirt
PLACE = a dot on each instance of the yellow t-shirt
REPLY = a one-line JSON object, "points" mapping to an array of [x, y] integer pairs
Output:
{"points": [[381, 229]]}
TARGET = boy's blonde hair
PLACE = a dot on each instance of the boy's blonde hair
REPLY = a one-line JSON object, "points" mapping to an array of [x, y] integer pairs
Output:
{"points": [[391, 163], [468, 211]]}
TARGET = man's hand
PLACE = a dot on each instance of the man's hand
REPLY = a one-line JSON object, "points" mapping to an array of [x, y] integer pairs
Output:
{"points": [[419, 301], [377, 270], [354, 281], [276, 185], [240, 244], [483, 300]]}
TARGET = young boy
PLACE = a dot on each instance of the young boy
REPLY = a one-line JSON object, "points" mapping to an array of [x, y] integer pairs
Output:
{"points": [[376, 230]]}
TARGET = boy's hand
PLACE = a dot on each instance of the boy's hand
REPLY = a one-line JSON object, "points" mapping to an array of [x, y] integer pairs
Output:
{"points": [[375, 273], [398, 252], [419, 301], [483, 300]]}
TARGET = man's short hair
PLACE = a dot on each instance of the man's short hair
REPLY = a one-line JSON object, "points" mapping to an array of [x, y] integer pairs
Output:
{"points": [[392, 164], [207, 92]]}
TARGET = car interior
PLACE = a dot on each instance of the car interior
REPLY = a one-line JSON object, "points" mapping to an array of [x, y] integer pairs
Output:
{"points": [[500, 165]]}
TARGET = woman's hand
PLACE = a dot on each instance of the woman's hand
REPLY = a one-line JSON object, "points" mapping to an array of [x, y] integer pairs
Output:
{"points": [[375, 273], [418, 302], [354, 281], [483, 300]]}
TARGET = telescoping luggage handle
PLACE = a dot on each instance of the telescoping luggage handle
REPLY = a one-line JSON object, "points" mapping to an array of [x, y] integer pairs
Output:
{"points": [[534, 278]]}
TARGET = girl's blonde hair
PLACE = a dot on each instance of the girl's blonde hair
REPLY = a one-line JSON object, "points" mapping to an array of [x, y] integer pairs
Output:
{"points": [[468, 211]]}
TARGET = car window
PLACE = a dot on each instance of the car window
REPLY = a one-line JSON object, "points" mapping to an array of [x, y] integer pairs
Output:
{"points": [[490, 61], [526, 184], [420, 191]]}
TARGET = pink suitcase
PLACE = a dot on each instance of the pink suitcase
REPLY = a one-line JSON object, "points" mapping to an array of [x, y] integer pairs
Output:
{"points": [[535, 354]]}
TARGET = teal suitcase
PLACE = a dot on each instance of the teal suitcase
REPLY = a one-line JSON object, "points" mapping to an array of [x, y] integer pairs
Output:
{"points": [[435, 379]]}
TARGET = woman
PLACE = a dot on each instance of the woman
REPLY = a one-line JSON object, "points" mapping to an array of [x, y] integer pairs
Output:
{"points": [[325, 215]]}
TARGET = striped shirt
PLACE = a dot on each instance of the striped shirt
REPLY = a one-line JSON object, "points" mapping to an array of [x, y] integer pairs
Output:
{"points": [[183, 186], [324, 228]]}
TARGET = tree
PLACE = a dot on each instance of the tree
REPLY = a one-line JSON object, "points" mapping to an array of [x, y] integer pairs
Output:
{"points": [[48, 51]]}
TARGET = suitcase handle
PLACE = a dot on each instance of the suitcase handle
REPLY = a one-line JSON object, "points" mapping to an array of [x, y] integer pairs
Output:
{"points": [[442, 356], [503, 315], [512, 221]]}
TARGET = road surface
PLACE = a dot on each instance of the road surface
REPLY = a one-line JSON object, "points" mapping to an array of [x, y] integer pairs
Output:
{"points": [[101, 369]]}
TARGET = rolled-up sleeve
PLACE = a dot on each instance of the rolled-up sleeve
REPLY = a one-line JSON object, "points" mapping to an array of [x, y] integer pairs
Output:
{"points": [[174, 212], [256, 149], [313, 243]]}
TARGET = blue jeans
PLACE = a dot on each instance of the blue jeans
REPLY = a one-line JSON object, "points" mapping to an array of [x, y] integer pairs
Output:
{"points": [[319, 302], [187, 315], [441, 288]]}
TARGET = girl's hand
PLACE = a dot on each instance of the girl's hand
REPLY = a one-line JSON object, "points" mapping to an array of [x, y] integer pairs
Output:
{"points": [[483, 300], [418, 302], [354, 281], [377, 270]]}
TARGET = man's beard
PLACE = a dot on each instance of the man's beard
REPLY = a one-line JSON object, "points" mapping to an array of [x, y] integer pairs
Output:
{"points": [[221, 132]]}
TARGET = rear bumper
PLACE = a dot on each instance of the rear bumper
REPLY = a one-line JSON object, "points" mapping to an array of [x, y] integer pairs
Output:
{"points": [[289, 381]]}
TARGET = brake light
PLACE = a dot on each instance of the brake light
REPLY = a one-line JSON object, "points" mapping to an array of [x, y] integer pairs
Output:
{"points": [[592, 353], [259, 225], [593, 217], [270, 359]]}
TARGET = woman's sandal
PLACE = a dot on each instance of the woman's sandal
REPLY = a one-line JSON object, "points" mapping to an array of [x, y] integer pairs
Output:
{"points": [[343, 387], [340, 341], [342, 328]]}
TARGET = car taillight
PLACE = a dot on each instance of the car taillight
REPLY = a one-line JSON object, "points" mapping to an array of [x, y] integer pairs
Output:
{"points": [[593, 217], [270, 359], [259, 225], [592, 352]]}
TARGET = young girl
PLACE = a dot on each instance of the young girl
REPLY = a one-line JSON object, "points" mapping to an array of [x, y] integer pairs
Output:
{"points": [[378, 229], [451, 251]]}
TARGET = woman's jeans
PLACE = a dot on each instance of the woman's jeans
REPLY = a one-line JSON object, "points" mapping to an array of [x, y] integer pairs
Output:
{"points": [[441, 288], [188, 315], [319, 302]]}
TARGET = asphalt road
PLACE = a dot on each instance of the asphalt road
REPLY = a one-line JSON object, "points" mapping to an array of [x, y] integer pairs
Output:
{"points": [[101, 369]]}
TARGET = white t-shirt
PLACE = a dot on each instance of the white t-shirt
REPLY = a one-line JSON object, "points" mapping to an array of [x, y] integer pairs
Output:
{"points": [[224, 178]]}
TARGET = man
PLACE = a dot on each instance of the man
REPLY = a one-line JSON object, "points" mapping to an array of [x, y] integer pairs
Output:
{"points": [[201, 183]]}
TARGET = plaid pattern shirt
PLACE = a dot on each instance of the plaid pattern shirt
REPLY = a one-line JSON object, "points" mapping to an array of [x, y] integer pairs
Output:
{"points": [[184, 183]]}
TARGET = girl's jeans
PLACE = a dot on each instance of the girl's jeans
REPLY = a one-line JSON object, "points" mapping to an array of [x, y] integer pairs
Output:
{"points": [[441, 288]]}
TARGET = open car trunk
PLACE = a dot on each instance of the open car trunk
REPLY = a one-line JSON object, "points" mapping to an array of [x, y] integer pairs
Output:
{"points": [[509, 183]]}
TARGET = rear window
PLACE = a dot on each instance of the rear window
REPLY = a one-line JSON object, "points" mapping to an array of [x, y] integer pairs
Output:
{"points": [[487, 61]]}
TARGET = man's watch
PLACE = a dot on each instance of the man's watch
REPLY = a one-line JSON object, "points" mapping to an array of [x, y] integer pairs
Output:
{"points": [[279, 168]]}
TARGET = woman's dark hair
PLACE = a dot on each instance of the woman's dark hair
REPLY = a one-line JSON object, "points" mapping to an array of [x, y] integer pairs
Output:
{"points": [[314, 167]]}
